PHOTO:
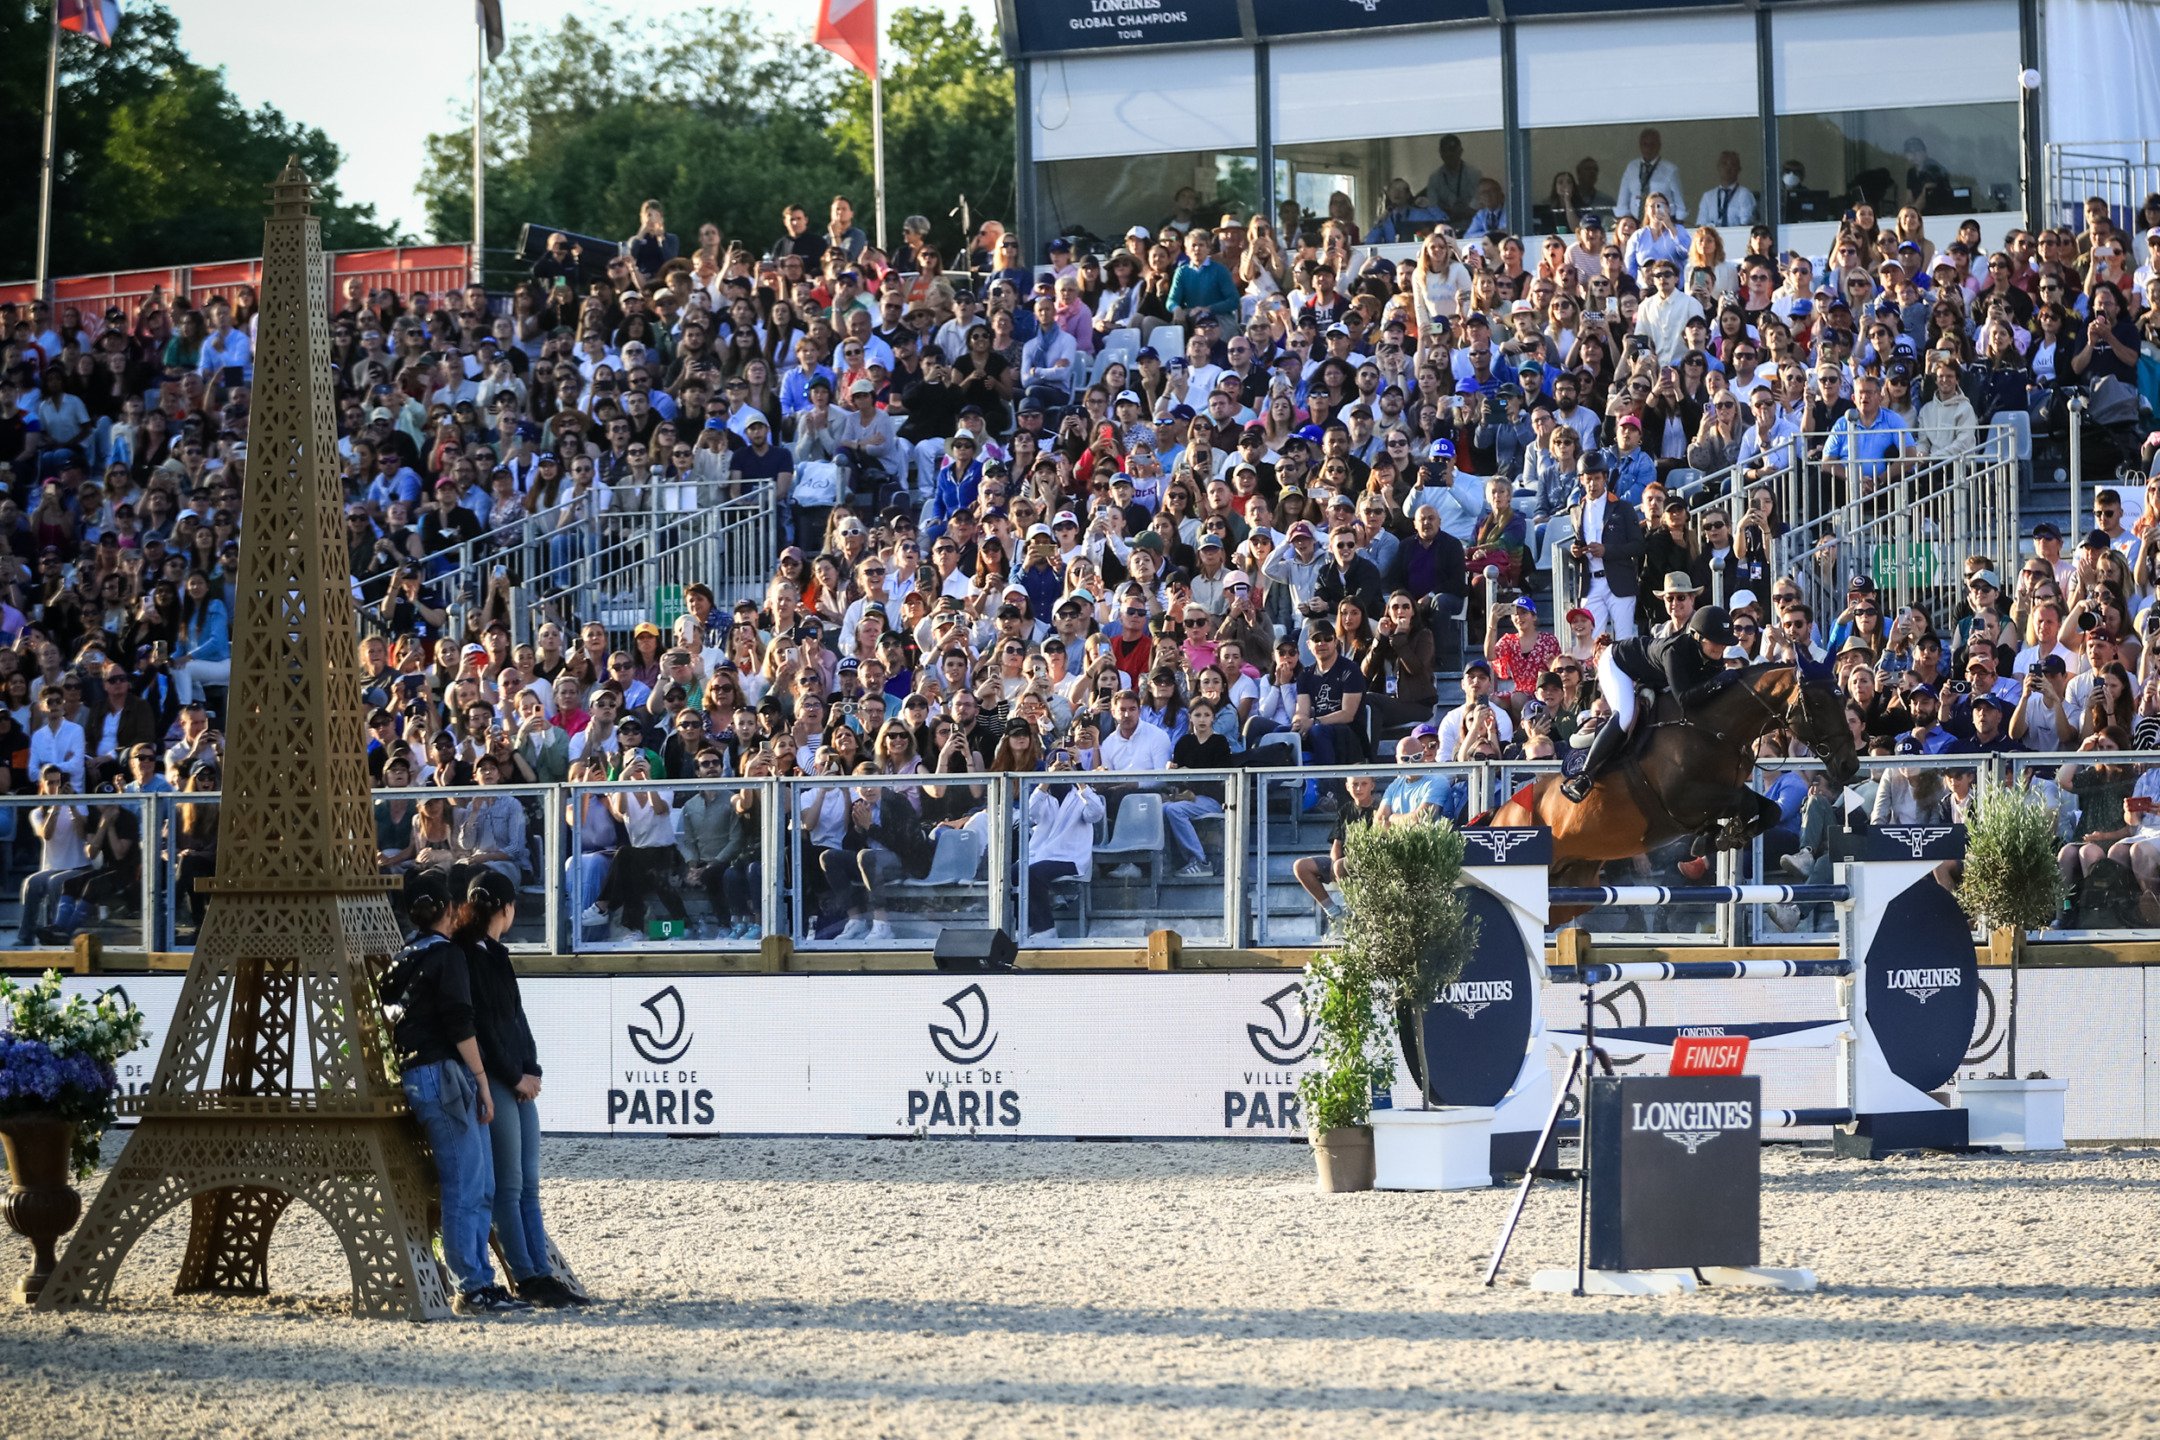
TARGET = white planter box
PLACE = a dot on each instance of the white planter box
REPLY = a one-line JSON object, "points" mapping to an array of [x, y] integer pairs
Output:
{"points": [[2015, 1114], [1445, 1149]]}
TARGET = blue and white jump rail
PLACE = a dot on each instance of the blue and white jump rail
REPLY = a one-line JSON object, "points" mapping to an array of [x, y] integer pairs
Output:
{"points": [[1908, 992]]}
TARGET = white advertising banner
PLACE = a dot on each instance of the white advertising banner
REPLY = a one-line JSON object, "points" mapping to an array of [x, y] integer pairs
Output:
{"points": [[1194, 1056], [1013, 1055]]}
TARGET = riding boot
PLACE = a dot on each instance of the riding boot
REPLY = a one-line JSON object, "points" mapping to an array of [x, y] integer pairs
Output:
{"points": [[1604, 747]]}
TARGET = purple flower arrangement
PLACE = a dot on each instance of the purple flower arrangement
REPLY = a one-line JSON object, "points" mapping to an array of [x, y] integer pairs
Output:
{"points": [[30, 1074], [58, 1056]]}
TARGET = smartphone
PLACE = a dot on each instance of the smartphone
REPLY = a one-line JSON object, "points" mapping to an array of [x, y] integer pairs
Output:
{"points": [[1612, 307], [2138, 805]]}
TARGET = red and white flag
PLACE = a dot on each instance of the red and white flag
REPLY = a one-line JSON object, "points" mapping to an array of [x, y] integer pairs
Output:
{"points": [[849, 29]]}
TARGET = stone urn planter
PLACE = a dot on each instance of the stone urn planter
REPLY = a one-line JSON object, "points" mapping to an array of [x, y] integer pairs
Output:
{"points": [[41, 1206], [1345, 1158]]}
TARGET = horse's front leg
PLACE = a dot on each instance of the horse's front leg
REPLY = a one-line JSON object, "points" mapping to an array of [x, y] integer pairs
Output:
{"points": [[1751, 815]]}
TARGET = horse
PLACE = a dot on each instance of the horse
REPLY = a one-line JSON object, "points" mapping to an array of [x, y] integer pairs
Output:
{"points": [[1688, 775]]}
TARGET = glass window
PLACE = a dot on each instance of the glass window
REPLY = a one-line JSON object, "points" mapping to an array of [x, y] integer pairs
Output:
{"points": [[1945, 159], [1098, 200], [1603, 166], [1438, 175]]}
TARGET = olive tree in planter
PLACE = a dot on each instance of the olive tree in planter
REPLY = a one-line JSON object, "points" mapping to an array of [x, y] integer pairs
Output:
{"points": [[1406, 922], [1352, 1054], [2011, 884]]}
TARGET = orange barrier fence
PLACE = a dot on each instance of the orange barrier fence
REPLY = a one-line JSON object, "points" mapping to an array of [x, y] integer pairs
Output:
{"points": [[405, 269]]}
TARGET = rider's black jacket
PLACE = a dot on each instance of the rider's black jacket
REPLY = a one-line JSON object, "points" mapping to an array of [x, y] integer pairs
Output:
{"points": [[1674, 662]]}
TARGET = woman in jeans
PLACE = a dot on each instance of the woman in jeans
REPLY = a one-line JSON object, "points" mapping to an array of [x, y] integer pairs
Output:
{"points": [[597, 838], [427, 998], [512, 1063]]}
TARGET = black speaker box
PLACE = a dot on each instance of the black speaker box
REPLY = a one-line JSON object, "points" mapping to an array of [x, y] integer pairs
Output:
{"points": [[974, 951]]}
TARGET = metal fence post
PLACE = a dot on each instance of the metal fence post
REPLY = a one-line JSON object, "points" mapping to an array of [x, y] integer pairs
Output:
{"points": [[2075, 410], [153, 849], [551, 860], [1234, 887], [1001, 813], [773, 831]]}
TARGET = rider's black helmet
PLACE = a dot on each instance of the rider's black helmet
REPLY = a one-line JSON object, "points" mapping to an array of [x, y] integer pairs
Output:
{"points": [[1712, 623]]}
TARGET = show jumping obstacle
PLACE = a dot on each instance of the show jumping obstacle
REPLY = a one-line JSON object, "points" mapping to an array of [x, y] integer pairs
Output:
{"points": [[1662, 1204], [1907, 1004]]}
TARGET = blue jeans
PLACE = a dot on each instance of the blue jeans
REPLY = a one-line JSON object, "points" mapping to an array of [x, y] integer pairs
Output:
{"points": [[446, 1100], [1178, 815], [587, 877], [564, 549], [516, 1140]]}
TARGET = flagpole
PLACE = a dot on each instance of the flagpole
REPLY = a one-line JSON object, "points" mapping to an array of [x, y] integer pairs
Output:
{"points": [[877, 121], [479, 146], [877, 152], [45, 171]]}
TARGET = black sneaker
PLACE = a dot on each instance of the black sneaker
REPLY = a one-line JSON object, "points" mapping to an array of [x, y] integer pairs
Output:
{"points": [[544, 1291], [491, 1300]]}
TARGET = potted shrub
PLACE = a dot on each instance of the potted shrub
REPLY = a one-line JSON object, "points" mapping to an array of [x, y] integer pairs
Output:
{"points": [[1406, 937], [1351, 1056], [57, 1087], [2011, 884], [1406, 923]]}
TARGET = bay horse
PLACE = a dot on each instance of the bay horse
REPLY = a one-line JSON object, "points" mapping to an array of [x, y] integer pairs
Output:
{"points": [[1688, 775]]}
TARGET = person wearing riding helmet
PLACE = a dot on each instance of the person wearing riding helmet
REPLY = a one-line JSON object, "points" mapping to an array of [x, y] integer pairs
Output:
{"points": [[427, 998], [513, 1080], [1689, 663]]}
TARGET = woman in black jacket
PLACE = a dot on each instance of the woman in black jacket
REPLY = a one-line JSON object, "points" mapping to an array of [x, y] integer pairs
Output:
{"points": [[427, 998], [513, 1081]]}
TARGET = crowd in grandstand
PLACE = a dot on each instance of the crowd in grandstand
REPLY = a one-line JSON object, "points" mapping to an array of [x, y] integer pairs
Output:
{"points": [[1238, 491]]}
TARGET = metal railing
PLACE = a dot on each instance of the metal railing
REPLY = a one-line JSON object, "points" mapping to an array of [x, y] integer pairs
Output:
{"points": [[2121, 172], [618, 567], [798, 873], [1907, 524]]}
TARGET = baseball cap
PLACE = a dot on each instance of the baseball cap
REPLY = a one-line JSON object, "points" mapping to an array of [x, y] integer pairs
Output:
{"points": [[1985, 577], [1424, 731], [1210, 540], [1124, 396], [2045, 531], [1441, 450], [1310, 434]]}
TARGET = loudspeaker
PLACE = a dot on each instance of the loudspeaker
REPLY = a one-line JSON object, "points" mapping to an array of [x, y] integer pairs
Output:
{"points": [[974, 951]]}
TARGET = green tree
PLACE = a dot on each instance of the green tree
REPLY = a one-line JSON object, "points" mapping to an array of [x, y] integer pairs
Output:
{"points": [[948, 124], [155, 163], [723, 118]]}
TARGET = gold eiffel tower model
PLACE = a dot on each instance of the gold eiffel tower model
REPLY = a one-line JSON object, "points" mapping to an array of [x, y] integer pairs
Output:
{"points": [[298, 926]]}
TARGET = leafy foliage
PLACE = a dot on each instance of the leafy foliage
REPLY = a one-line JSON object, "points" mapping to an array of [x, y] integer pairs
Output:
{"points": [[721, 116], [155, 163], [1407, 937], [1408, 925], [1352, 1049], [2011, 875], [60, 1057]]}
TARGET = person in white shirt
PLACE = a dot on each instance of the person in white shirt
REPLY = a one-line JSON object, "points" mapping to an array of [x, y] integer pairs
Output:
{"points": [[1728, 202], [58, 741], [2047, 643], [1477, 684], [1061, 841], [1767, 445], [1663, 315], [61, 828], [1649, 175]]}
